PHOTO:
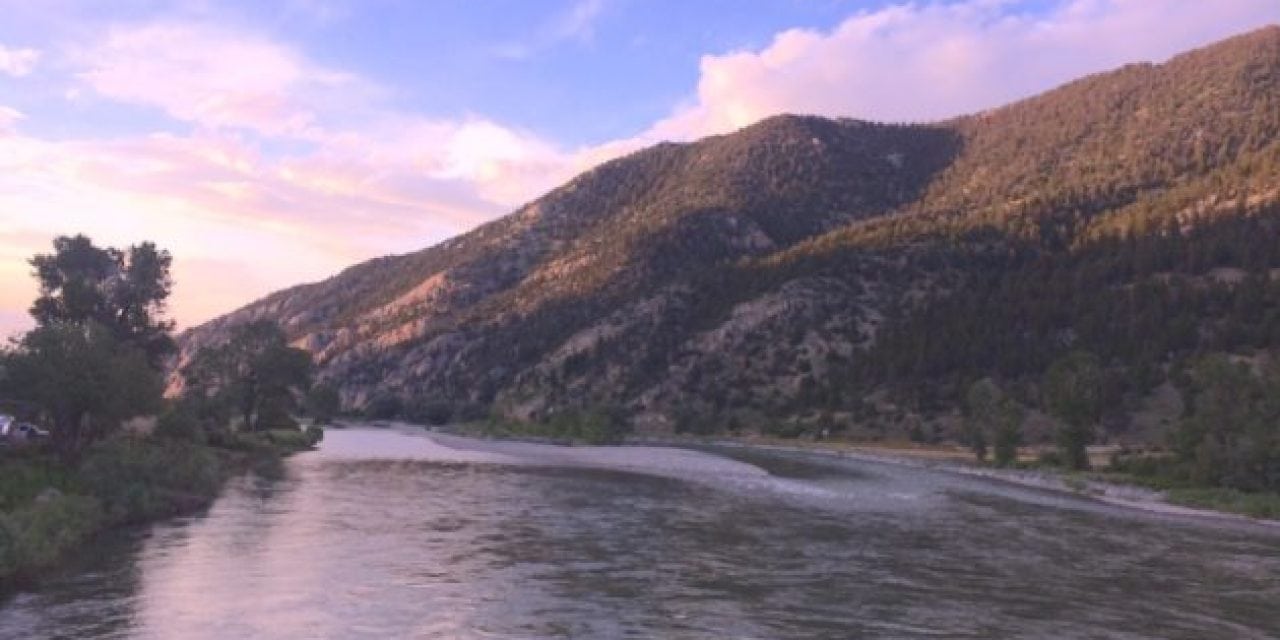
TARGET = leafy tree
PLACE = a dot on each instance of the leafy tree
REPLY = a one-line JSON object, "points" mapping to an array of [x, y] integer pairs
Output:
{"points": [[991, 414], [1073, 394], [83, 380], [124, 291], [1231, 435], [384, 406], [430, 409], [323, 403], [256, 374]]}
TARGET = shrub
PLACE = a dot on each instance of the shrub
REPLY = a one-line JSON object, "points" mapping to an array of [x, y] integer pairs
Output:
{"points": [[314, 435], [1257, 505], [384, 407], [35, 535], [25, 477], [434, 411], [137, 479], [180, 423], [294, 439]]}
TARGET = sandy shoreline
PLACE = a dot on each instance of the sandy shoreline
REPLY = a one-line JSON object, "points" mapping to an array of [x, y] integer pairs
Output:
{"points": [[1120, 495]]}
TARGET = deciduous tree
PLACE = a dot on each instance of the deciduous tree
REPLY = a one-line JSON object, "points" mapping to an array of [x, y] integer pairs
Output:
{"points": [[124, 291]]}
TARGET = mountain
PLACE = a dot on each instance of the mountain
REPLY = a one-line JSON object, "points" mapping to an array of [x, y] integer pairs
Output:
{"points": [[817, 273]]}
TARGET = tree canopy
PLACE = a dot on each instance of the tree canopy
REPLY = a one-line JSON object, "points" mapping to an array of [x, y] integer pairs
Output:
{"points": [[1073, 394], [85, 380], [124, 291], [256, 374]]}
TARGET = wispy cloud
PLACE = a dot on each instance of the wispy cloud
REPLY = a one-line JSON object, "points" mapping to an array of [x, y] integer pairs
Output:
{"points": [[577, 23], [9, 118], [215, 78], [358, 178], [18, 62]]}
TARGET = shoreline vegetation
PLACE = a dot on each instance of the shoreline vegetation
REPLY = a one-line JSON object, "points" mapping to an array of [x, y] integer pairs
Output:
{"points": [[48, 508], [111, 448], [1115, 487], [1111, 487]]}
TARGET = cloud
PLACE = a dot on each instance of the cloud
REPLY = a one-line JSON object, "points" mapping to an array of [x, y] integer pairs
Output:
{"points": [[578, 23], [9, 118], [217, 78], [277, 170], [18, 62], [265, 167], [920, 62]]}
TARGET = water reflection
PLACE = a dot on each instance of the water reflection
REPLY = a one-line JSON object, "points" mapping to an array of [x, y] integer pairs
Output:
{"points": [[384, 534]]}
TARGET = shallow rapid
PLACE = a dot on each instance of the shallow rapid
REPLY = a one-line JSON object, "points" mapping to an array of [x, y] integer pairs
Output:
{"points": [[386, 533]]}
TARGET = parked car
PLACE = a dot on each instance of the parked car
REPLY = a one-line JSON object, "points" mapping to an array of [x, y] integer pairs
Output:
{"points": [[12, 431], [28, 431]]}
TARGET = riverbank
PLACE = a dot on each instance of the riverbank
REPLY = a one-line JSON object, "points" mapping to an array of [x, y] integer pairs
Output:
{"points": [[1194, 503], [49, 508]]}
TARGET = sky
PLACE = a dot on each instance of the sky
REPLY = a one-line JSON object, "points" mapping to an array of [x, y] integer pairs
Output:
{"points": [[266, 144]]}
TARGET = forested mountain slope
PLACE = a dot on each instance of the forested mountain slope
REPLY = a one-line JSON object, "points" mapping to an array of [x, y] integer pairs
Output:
{"points": [[808, 273]]}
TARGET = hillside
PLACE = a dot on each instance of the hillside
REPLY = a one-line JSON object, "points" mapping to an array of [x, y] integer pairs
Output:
{"points": [[806, 273]]}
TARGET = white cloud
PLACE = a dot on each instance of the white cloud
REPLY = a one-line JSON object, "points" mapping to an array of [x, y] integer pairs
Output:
{"points": [[578, 23], [18, 62], [358, 179], [9, 118], [217, 78], [914, 62]]}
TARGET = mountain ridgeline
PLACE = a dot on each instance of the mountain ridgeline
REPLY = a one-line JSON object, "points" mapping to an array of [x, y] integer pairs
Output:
{"points": [[805, 273]]}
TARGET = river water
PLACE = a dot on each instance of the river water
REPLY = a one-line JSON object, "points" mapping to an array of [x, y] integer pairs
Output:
{"points": [[387, 533]]}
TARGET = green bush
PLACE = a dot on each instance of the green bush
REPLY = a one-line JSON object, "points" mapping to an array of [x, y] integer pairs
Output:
{"points": [[314, 435], [140, 479], [430, 410], [24, 477], [35, 535], [180, 423], [275, 416], [384, 407], [292, 439], [589, 426], [1257, 505]]}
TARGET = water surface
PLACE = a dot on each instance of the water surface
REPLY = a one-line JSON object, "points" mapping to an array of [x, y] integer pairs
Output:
{"points": [[390, 534]]}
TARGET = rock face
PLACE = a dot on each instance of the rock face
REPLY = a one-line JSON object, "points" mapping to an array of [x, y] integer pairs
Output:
{"points": [[464, 319], [745, 270]]}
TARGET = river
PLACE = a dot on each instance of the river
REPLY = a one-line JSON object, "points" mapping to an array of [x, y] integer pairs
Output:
{"points": [[386, 533]]}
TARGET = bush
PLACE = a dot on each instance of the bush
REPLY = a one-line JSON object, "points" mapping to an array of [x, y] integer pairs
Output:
{"points": [[180, 423], [35, 535], [295, 439], [1050, 458], [384, 407], [591, 426], [138, 479], [323, 403], [1257, 505], [596, 425], [433, 411], [25, 477], [275, 416]]}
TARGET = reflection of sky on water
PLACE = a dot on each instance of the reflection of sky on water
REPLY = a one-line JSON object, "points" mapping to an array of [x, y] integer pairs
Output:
{"points": [[387, 533]]}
